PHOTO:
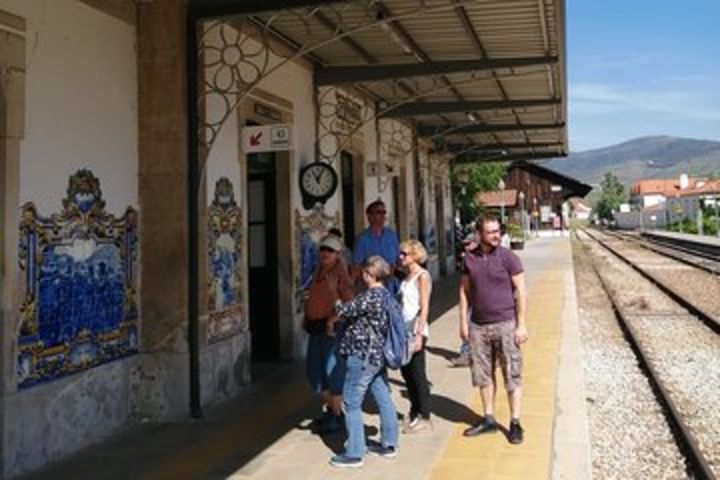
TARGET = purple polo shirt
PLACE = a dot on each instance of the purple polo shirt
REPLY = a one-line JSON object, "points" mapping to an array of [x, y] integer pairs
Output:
{"points": [[492, 297]]}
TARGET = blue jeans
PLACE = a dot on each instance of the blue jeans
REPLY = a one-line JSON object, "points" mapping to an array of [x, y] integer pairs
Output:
{"points": [[361, 377], [324, 366]]}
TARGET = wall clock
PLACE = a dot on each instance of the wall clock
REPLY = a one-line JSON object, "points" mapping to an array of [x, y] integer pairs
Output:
{"points": [[318, 182]]}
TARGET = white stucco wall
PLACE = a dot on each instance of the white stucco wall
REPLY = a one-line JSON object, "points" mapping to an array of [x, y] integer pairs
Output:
{"points": [[372, 184], [80, 111], [652, 200], [291, 82], [81, 103]]}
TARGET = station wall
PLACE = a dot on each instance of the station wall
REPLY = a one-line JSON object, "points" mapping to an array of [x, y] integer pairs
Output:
{"points": [[82, 362], [72, 327]]}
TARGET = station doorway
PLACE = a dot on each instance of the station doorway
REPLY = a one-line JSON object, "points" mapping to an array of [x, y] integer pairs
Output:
{"points": [[262, 257]]}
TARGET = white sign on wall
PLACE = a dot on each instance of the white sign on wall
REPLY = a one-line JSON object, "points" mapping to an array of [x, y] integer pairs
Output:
{"points": [[388, 170], [267, 138], [545, 212]]}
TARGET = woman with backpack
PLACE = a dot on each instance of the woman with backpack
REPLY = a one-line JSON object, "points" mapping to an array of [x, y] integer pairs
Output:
{"points": [[414, 296], [366, 329]]}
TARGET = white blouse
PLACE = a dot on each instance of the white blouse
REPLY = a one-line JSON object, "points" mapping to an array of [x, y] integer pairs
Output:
{"points": [[410, 298]]}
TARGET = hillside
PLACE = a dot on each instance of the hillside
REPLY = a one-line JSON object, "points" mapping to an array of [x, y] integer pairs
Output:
{"points": [[645, 157]]}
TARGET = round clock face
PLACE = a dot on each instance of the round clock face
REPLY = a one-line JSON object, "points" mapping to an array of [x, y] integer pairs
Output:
{"points": [[318, 180]]}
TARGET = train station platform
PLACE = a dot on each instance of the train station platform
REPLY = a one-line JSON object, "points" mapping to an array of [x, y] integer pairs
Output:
{"points": [[264, 434], [684, 237]]}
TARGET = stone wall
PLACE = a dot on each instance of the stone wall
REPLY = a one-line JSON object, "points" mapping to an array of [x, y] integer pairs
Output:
{"points": [[68, 104], [12, 99]]}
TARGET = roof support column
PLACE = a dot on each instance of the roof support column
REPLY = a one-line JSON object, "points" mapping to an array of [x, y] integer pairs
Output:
{"points": [[163, 157], [12, 113]]}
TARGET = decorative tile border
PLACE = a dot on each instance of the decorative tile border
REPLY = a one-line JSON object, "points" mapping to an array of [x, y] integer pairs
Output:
{"points": [[225, 264], [309, 230]]}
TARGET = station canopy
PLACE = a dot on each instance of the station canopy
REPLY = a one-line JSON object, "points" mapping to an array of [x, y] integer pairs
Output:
{"points": [[482, 79]]}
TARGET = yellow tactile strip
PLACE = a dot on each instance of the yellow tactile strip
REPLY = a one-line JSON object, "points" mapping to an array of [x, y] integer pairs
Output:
{"points": [[491, 456]]}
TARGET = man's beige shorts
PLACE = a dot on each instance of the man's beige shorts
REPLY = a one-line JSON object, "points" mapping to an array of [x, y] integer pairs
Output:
{"points": [[490, 344]]}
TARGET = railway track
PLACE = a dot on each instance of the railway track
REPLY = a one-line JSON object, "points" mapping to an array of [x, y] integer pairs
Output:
{"points": [[701, 259], [701, 248], [703, 313], [657, 331]]}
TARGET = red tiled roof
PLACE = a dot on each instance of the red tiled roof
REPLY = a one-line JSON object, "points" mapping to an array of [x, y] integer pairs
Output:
{"points": [[507, 198], [666, 187], [712, 186]]}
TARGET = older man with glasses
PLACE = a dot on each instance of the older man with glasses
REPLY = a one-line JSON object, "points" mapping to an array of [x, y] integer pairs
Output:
{"points": [[377, 239]]}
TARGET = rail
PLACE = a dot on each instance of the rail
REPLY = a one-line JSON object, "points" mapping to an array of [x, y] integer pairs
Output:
{"points": [[697, 463]]}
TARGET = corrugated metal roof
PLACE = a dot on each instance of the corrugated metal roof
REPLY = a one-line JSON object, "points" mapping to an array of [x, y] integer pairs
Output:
{"points": [[410, 32]]}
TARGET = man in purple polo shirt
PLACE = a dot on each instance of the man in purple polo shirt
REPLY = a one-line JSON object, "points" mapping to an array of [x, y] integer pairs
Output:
{"points": [[493, 286]]}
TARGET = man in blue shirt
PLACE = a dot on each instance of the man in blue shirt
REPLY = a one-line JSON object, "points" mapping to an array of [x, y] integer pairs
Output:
{"points": [[377, 239]]}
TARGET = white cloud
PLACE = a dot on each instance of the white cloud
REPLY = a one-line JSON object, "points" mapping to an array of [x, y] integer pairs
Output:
{"points": [[606, 62], [590, 98]]}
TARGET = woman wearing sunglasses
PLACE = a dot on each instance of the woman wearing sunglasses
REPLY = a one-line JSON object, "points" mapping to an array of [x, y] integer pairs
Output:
{"points": [[414, 296], [325, 369]]}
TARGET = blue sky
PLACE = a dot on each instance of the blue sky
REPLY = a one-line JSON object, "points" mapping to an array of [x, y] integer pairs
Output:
{"points": [[642, 67]]}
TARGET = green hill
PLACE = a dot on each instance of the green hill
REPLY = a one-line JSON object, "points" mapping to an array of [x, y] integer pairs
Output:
{"points": [[642, 158]]}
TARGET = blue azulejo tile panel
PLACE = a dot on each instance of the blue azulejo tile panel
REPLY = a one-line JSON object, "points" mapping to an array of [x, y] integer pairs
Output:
{"points": [[309, 230], [79, 291], [225, 282]]}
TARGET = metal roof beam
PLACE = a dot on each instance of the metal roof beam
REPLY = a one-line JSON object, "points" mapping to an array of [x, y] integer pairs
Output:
{"points": [[472, 158], [461, 147], [220, 8], [355, 74], [411, 109], [431, 130]]}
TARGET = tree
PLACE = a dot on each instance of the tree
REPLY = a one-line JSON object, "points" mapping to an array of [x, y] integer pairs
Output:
{"points": [[611, 196], [470, 179]]}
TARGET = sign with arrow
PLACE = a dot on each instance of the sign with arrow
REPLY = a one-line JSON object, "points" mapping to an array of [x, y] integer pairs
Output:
{"points": [[267, 138]]}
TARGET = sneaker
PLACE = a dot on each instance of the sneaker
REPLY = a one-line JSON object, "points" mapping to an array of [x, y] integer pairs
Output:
{"points": [[515, 435], [380, 451], [483, 426], [409, 420], [419, 425], [344, 461]]}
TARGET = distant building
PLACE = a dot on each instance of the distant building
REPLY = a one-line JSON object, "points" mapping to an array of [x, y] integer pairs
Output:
{"points": [[647, 193], [685, 203], [663, 201], [535, 196], [501, 202], [579, 210]]}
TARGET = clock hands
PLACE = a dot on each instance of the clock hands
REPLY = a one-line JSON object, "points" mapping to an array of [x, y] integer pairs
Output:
{"points": [[317, 175]]}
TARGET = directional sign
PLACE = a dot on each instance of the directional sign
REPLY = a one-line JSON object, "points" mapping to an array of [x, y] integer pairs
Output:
{"points": [[267, 138]]}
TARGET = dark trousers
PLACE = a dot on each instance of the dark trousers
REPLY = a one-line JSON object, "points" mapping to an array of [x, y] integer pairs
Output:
{"points": [[417, 384]]}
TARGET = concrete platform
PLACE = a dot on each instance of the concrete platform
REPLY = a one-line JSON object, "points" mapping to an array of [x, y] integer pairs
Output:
{"points": [[685, 237], [262, 436]]}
